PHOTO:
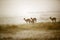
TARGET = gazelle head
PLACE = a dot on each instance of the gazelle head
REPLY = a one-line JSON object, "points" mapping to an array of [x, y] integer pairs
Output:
{"points": [[50, 18], [31, 18], [24, 18]]}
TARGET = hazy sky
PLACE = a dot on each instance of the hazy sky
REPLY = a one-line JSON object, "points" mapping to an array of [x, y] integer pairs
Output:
{"points": [[29, 8]]}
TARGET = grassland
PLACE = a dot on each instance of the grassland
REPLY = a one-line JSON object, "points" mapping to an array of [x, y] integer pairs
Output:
{"points": [[12, 29], [36, 26]]}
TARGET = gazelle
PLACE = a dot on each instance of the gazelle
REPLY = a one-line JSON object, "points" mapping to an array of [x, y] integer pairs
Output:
{"points": [[53, 19], [33, 20], [27, 20]]}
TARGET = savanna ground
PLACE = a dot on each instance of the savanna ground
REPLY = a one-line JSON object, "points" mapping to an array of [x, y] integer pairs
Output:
{"points": [[36, 31]]}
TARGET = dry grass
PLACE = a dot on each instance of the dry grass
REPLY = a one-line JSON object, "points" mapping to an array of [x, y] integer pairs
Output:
{"points": [[37, 26]]}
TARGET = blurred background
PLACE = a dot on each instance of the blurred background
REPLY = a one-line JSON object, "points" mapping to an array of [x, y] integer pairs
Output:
{"points": [[13, 11]]}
